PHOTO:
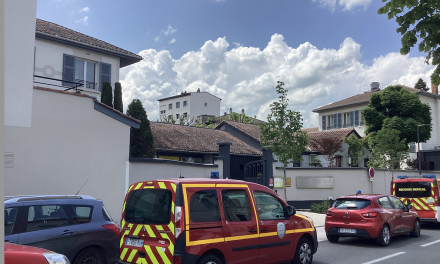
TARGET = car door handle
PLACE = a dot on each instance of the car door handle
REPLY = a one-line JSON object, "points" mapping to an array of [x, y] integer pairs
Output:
{"points": [[253, 230], [67, 232], [264, 230]]}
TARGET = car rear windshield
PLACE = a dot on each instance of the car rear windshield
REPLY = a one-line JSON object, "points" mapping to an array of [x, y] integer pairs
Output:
{"points": [[413, 189], [148, 206], [352, 203]]}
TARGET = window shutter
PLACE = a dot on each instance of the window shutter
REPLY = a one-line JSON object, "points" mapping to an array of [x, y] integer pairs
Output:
{"points": [[323, 122], [356, 117], [105, 74], [351, 118], [339, 120], [68, 70]]}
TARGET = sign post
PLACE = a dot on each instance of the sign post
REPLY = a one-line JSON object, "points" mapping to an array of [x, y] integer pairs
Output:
{"points": [[371, 173]]}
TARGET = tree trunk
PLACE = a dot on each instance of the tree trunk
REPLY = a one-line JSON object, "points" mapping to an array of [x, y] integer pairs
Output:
{"points": [[285, 188]]}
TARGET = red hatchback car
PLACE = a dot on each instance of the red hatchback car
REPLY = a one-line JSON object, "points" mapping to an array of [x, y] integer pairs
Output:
{"points": [[374, 216]]}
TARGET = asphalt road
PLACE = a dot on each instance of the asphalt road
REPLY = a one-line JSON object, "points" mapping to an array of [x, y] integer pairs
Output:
{"points": [[402, 249]]}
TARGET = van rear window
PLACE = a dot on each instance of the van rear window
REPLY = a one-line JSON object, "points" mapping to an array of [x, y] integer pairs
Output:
{"points": [[352, 203], [148, 206], [413, 189]]}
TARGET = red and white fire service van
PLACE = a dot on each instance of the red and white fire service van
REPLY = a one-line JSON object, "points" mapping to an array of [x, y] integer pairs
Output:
{"points": [[422, 192], [211, 221]]}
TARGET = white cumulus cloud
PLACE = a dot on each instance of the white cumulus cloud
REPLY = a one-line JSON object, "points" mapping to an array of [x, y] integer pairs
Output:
{"points": [[170, 30], [84, 20], [85, 9], [344, 4], [245, 77]]}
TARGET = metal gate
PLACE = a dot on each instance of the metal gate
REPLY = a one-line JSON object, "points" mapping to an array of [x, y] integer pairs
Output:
{"points": [[254, 172]]}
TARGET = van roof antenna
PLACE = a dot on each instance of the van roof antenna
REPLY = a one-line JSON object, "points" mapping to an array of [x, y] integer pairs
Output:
{"points": [[82, 187]]}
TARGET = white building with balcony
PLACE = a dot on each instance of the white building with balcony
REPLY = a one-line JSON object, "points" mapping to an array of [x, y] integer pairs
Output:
{"points": [[190, 105], [347, 113]]}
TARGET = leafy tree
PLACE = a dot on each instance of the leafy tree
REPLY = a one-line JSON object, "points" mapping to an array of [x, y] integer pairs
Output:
{"points": [[356, 148], [242, 118], [327, 146], [118, 97], [168, 120], [421, 85], [141, 140], [388, 150], [107, 94], [209, 123], [282, 132], [396, 108], [420, 22], [186, 121], [314, 161]]}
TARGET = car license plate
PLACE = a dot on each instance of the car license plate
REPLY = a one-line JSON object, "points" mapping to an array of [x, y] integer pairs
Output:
{"points": [[347, 230], [134, 242]]}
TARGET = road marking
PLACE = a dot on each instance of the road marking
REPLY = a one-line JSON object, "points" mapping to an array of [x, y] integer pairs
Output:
{"points": [[425, 245], [387, 257]]}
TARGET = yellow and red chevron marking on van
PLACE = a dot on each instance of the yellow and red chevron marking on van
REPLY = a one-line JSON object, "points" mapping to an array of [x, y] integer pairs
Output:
{"points": [[419, 204], [153, 254]]}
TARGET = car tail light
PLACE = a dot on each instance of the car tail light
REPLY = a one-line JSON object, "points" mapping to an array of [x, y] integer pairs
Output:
{"points": [[113, 228], [178, 221], [177, 260], [330, 213], [369, 215]]}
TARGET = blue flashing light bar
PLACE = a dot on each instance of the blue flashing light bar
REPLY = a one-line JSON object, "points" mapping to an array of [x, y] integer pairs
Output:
{"points": [[429, 176], [402, 177]]}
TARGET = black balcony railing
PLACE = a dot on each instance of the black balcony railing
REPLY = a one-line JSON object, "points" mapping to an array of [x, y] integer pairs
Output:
{"points": [[47, 81]]}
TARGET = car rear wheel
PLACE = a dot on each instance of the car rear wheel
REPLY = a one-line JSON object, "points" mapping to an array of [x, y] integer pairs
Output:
{"points": [[384, 236], [332, 238], [210, 259], [90, 256], [416, 229], [304, 252]]}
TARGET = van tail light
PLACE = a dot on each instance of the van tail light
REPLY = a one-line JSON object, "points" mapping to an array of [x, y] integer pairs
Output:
{"points": [[330, 213], [177, 260], [178, 221], [113, 228], [369, 215]]}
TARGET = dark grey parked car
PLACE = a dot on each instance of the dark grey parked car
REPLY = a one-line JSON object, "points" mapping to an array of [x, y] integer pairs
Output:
{"points": [[76, 226]]}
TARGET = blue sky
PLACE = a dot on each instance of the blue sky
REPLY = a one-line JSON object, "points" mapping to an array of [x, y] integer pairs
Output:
{"points": [[237, 49]]}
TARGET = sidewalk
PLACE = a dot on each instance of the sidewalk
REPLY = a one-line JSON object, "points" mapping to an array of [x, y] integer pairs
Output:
{"points": [[318, 219]]}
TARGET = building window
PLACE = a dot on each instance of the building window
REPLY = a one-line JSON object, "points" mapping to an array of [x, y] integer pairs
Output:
{"points": [[177, 116], [185, 115], [330, 121], [162, 112], [338, 161], [354, 118], [206, 104], [178, 105], [85, 73], [337, 122], [185, 103], [170, 106], [323, 123], [170, 117], [346, 119]]}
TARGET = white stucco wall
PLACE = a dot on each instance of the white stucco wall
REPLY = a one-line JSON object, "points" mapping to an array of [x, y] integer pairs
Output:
{"points": [[49, 63], [147, 171], [435, 115], [345, 181], [198, 107], [163, 105], [19, 18], [69, 143]]}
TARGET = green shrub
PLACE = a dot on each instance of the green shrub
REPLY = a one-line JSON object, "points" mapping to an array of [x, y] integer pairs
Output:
{"points": [[320, 208]]}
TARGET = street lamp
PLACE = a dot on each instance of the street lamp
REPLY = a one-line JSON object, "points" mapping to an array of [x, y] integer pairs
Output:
{"points": [[418, 146]]}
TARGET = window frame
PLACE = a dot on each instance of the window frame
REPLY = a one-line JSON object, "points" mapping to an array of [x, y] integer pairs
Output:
{"points": [[177, 105], [185, 103], [285, 215], [170, 106], [191, 207], [225, 205]]}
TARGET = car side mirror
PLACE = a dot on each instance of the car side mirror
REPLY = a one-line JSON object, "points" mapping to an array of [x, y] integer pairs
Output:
{"points": [[408, 207], [291, 210]]}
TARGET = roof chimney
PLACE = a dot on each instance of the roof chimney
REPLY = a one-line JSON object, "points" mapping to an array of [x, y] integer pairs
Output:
{"points": [[434, 88], [242, 111], [374, 86], [198, 90], [230, 110]]}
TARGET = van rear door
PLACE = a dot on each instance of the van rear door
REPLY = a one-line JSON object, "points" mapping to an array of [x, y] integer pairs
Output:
{"points": [[147, 223]]}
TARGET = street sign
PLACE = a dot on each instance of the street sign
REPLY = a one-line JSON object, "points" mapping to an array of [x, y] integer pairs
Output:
{"points": [[371, 173], [270, 181]]}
